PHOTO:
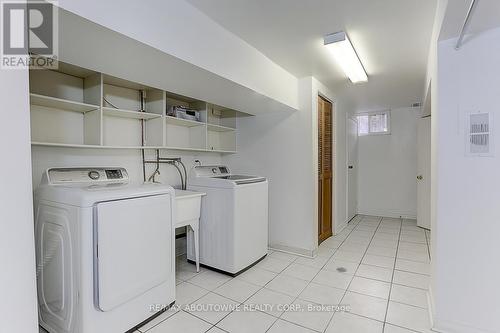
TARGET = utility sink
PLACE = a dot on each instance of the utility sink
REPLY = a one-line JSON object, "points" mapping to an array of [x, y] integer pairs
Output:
{"points": [[187, 213], [187, 207]]}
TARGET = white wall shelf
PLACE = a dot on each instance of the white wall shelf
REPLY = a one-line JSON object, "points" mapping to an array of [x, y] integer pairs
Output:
{"points": [[62, 104], [74, 107], [183, 122], [219, 128], [223, 151], [66, 145], [186, 149], [78, 146], [112, 112]]}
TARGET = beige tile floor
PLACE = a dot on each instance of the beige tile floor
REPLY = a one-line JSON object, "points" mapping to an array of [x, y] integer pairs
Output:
{"points": [[378, 268]]}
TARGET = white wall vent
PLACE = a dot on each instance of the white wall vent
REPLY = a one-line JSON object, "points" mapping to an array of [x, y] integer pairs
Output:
{"points": [[479, 134]]}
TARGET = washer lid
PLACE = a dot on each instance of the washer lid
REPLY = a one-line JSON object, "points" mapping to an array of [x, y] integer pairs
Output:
{"points": [[242, 179], [226, 181], [219, 176]]}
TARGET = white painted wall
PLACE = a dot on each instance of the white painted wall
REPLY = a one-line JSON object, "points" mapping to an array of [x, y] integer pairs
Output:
{"points": [[283, 147], [465, 258], [388, 167], [181, 30], [18, 305]]}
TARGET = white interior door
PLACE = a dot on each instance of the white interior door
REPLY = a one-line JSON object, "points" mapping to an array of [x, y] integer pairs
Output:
{"points": [[424, 173], [352, 164]]}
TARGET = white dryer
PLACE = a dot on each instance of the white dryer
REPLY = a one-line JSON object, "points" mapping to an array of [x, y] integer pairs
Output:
{"points": [[105, 250], [234, 218]]}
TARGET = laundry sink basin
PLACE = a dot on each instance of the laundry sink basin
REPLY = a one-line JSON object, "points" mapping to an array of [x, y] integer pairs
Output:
{"points": [[187, 206]]}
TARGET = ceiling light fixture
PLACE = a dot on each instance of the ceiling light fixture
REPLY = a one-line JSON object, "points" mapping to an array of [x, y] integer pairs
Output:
{"points": [[345, 55]]}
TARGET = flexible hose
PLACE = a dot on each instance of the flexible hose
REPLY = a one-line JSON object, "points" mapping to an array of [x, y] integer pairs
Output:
{"points": [[180, 173], [185, 175]]}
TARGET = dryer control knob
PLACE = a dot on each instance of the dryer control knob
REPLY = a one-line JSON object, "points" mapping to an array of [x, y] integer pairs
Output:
{"points": [[94, 175]]}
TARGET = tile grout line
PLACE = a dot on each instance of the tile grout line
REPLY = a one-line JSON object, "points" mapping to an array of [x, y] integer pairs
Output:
{"points": [[307, 285], [262, 287], [328, 259], [427, 240], [343, 241], [347, 289], [309, 282], [197, 299], [297, 297], [294, 299], [393, 271]]}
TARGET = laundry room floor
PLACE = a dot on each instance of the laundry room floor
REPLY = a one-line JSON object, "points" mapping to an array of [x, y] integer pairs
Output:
{"points": [[377, 269]]}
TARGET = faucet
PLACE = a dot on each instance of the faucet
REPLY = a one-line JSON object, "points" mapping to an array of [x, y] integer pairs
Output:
{"points": [[175, 161], [152, 177]]}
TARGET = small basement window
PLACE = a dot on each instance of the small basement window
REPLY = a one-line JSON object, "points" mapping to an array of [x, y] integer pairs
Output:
{"points": [[374, 123]]}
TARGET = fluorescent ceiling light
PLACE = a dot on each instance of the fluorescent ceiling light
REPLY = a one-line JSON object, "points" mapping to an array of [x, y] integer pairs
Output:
{"points": [[345, 55]]}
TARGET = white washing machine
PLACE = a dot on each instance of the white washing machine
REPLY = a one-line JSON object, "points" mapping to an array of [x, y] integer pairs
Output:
{"points": [[105, 250], [234, 218]]}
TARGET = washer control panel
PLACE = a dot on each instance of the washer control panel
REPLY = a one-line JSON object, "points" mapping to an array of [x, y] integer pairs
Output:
{"points": [[58, 176], [94, 175], [114, 174], [211, 171]]}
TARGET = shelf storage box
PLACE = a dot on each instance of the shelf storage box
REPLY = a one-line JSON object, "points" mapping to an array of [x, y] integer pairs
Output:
{"points": [[184, 133]]}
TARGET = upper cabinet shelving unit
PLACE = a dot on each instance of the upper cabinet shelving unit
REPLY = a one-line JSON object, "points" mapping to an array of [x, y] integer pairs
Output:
{"points": [[80, 108]]}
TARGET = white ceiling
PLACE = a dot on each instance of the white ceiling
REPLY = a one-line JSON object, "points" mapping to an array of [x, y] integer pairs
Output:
{"points": [[391, 37]]}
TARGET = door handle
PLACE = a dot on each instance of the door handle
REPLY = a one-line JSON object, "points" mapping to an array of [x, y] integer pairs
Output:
{"points": [[420, 177]]}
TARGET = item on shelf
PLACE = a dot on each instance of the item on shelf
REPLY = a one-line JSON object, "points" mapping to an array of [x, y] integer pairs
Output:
{"points": [[183, 113]]}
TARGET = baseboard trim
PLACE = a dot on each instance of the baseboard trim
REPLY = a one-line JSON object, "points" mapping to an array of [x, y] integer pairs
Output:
{"points": [[303, 252], [443, 326], [341, 227], [293, 250], [430, 308], [393, 214]]}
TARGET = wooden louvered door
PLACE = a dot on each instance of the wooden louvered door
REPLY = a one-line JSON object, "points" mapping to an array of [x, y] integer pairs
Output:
{"points": [[325, 168]]}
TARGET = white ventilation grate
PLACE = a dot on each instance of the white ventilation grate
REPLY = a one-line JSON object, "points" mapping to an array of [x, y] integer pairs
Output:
{"points": [[479, 134]]}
